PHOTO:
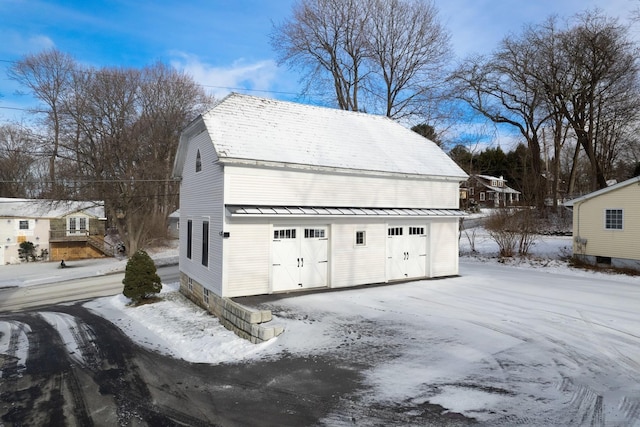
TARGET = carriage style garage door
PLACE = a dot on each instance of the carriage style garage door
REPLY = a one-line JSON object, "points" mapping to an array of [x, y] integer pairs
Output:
{"points": [[299, 257], [406, 252]]}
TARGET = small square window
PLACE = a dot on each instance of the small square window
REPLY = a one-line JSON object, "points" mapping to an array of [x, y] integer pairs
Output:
{"points": [[613, 219], [24, 224], [361, 238]]}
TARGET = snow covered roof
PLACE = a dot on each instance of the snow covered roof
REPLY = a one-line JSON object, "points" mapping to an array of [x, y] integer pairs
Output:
{"points": [[247, 128], [596, 193], [491, 178], [40, 208]]}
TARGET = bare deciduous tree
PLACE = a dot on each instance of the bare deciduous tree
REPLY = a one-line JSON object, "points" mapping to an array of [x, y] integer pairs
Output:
{"points": [[408, 50], [326, 38], [384, 56], [590, 75], [123, 135], [17, 161], [47, 76], [114, 135], [501, 88]]}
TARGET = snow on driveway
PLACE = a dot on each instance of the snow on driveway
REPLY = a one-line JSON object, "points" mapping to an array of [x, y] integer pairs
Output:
{"points": [[502, 344]]}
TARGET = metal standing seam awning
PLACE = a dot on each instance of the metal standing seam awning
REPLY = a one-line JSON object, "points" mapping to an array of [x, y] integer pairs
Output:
{"points": [[316, 211]]}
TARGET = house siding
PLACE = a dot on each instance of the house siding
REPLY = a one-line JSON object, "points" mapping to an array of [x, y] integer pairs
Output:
{"points": [[357, 265], [12, 236], [201, 194], [253, 186], [444, 247], [247, 258], [588, 224]]}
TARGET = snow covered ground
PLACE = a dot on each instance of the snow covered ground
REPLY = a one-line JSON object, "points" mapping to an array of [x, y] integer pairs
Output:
{"points": [[530, 342]]}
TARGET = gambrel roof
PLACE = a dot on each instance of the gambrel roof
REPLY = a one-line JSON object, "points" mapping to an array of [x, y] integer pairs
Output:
{"points": [[248, 129]]}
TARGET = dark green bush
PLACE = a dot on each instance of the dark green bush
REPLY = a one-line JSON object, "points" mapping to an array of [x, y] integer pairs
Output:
{"points": [[141, 279], [27, 251]]}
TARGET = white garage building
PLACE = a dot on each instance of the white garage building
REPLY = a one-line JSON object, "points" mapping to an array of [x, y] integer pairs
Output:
{"points": [[277, 196]]}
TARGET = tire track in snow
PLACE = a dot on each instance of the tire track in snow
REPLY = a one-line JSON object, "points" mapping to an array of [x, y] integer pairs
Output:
{"points": [[77, 337], [14, 347]]}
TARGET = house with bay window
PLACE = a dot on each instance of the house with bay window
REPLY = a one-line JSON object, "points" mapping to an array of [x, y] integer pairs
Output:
{"points": [[278, 197], [59, 230], [606, 225]]}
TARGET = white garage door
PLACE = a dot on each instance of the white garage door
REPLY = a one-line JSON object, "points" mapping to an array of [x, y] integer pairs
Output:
{"points": [[406, 252], [299, 257]]}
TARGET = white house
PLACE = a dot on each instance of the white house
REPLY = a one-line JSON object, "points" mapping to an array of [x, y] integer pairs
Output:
{"points": [[606, 225], [277, 196], [58, 229]]}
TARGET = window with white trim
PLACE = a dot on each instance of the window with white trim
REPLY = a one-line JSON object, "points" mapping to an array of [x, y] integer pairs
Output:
{"points": [[413, 231], [190, 284], [77, 225], [205, 295], [24, 224], [482, 197], [361, 238], [613, 219]]}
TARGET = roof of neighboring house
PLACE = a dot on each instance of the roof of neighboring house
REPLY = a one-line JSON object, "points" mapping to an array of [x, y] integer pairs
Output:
{"points": [[40, 208], [603, 191], [491, 178], [504, 189], [250, 129]]}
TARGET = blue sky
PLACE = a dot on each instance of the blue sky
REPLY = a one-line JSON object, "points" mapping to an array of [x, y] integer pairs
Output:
{"points": [[223, 44]]}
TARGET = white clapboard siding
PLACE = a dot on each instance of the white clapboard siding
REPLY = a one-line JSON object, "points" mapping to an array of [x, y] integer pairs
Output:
{"points": [[444, 247], [247, 264], [247, 186], [200, 199], [351, 264]]}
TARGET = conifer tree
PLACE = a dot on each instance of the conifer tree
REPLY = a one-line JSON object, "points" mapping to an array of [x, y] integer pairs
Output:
{"points": [[140, 279]]}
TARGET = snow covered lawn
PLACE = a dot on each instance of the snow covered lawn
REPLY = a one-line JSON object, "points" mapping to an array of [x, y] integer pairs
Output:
{"points": [[533, 342]]}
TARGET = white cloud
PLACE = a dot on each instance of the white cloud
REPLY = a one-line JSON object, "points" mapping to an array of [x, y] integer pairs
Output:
{"points": [[21, 44], [254, 77]]}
